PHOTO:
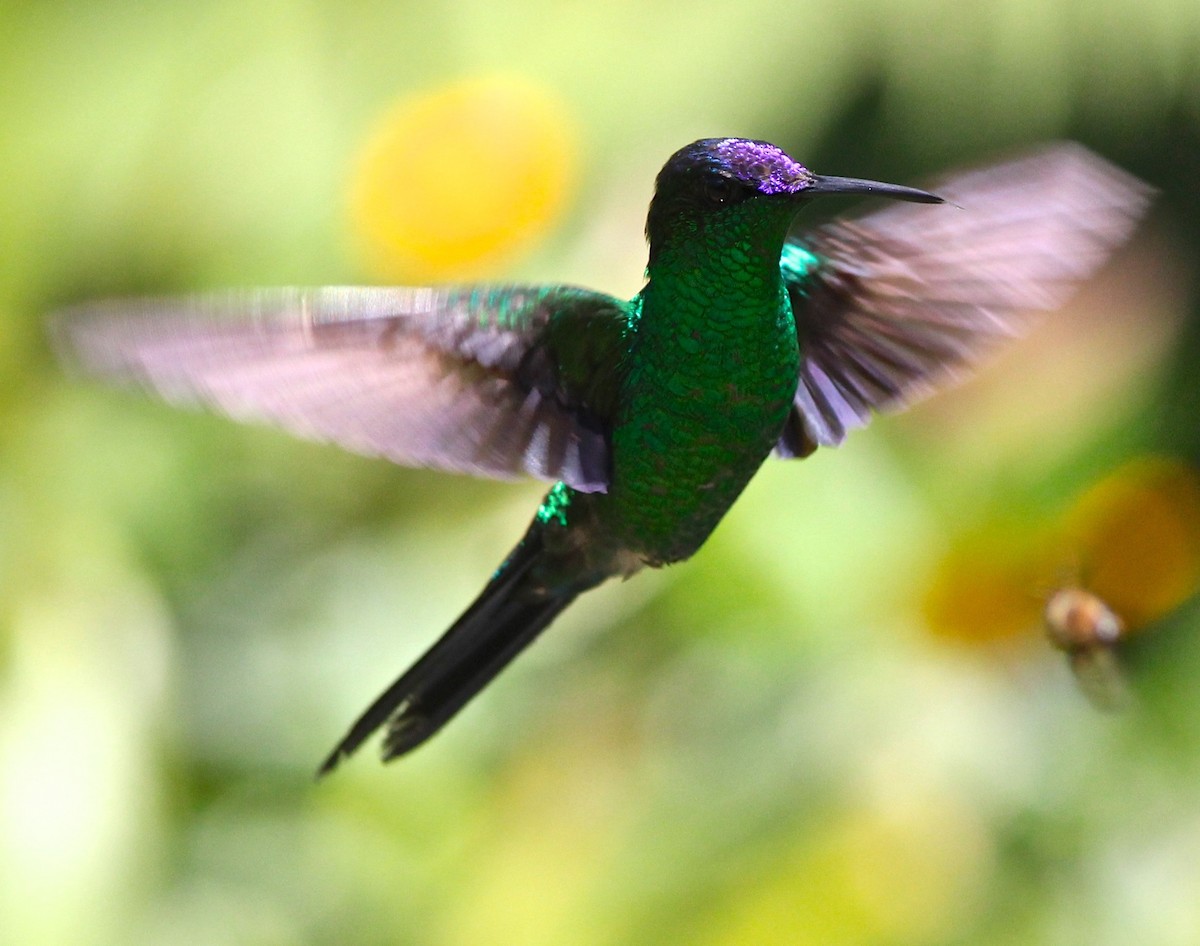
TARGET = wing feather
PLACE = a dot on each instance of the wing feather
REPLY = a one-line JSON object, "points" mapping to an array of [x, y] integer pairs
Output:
{"points": [[424, 377], [895, 304]]}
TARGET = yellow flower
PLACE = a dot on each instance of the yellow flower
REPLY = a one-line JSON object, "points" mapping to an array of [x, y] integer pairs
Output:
{"points": [[1131, 542], [986, 586], [1135, 538], [454, 183]]}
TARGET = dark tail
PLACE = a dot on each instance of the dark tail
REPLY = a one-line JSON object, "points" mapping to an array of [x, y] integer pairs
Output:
{"points": [[510, 612]]}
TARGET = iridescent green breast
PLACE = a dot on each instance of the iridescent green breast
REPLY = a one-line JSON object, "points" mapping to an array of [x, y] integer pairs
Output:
{"points": [[707, 387]]}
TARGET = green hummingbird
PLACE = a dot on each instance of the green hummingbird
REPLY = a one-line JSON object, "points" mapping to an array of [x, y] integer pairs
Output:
{"points": [[650, 415]]}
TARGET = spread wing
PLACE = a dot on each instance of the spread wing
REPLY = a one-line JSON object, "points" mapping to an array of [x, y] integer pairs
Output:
{"points": [[890, 306], [490, 380]]}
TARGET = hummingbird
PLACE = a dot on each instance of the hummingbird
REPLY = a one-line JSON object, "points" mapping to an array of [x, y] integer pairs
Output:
{"points": [[648, 415]]}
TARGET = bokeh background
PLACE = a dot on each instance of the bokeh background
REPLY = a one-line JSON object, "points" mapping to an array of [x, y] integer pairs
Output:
{"points": [[840, 723]]}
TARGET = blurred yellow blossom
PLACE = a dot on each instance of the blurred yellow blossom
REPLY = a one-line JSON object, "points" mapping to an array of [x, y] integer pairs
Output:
{"points": [[1131, 541], [985, 587], [1135, 538], [455, 182]]}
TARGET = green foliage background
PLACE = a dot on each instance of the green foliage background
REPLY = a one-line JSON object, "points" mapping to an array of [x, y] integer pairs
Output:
{"points": [[762, 746]]}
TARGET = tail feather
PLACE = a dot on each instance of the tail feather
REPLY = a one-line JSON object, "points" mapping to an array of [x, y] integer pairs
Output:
{"points": [[510, 612]]}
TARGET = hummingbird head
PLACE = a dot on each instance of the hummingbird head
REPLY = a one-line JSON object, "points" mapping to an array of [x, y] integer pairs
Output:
{"points": [[704, 181]]}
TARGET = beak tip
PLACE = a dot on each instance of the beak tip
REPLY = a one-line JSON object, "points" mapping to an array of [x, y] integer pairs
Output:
{"points": [[846, 185]]}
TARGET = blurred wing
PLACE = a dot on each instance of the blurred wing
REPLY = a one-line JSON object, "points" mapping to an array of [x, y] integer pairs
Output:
{"points": [[464, 378], [1101, 677], [895, 304]]}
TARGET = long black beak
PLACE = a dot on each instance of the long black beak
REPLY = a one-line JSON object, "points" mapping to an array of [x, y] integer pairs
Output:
{"points": [[849, 185]]}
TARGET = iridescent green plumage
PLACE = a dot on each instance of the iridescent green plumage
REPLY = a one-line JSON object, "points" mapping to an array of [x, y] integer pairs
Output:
{"points": [[651, 414], [707, 383]]}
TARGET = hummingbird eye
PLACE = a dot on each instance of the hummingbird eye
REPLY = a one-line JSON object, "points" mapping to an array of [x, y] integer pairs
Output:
{"points": [[720, 190]]}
